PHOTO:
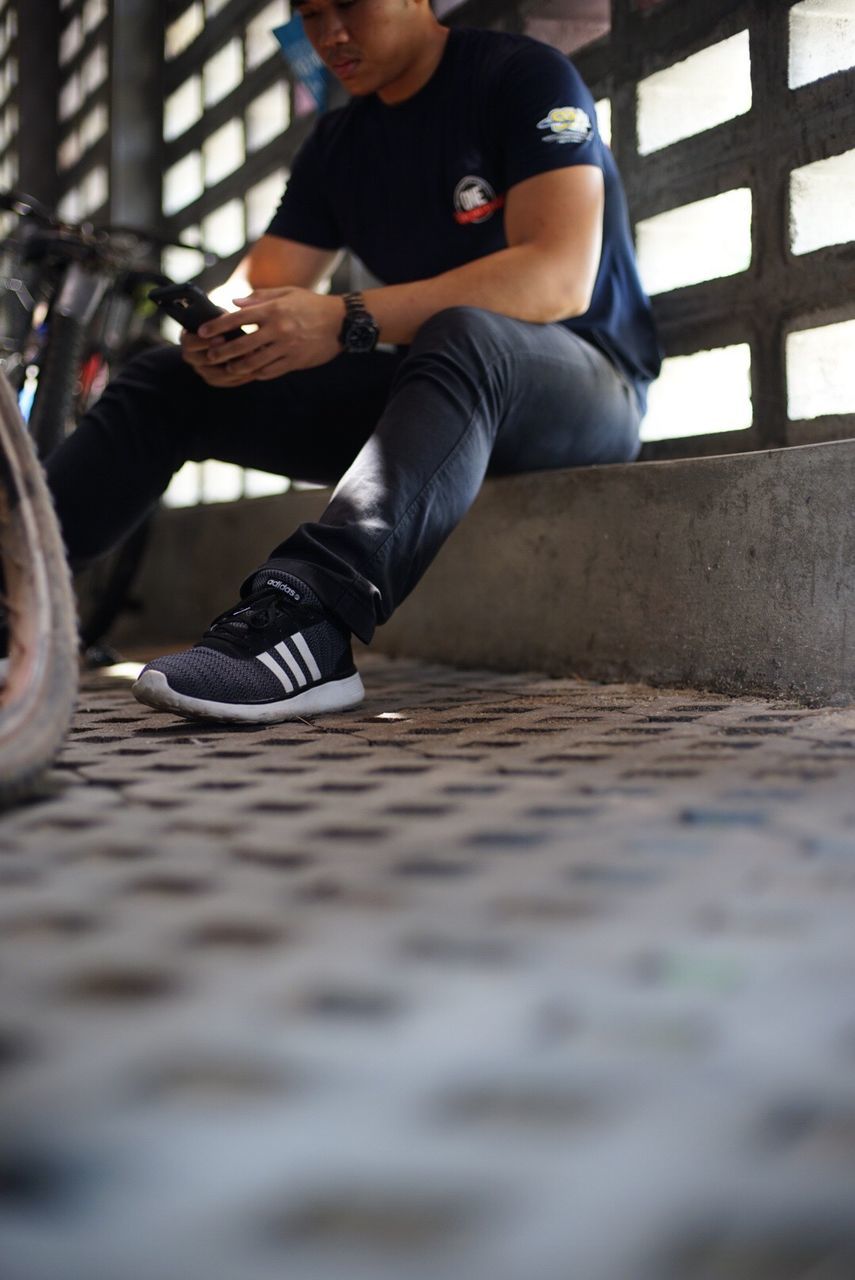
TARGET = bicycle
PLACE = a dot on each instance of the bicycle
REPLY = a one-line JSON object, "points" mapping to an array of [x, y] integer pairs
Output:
{"points": [[38, 688], [74, 309]]}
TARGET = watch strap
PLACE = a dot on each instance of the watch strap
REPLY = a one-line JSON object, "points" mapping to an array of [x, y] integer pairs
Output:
{"points": [[360, 332]]}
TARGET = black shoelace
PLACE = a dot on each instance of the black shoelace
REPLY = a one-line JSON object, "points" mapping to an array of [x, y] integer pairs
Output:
{"points": [[259, 610]]}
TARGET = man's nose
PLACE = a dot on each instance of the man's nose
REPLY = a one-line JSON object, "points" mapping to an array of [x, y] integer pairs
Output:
{"points": [[333, 30]]}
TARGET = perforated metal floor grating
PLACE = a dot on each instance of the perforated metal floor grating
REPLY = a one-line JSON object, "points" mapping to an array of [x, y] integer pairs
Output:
{"points": [[494, 976]]}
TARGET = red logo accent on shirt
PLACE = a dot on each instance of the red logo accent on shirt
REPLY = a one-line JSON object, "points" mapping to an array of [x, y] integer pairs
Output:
{"points": [[475, 200], [479, 214]]}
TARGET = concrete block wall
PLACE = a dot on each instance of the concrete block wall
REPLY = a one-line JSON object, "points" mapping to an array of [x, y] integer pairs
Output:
{"points": [[734, 573]]}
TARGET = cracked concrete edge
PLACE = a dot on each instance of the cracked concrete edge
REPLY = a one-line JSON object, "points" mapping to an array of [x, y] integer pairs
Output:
{"points": [[731, 573]]}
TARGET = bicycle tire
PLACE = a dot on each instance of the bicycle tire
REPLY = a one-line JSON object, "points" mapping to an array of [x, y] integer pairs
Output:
{"points": [[103, 591], [40, 692], [53, 408], [104, 588]]}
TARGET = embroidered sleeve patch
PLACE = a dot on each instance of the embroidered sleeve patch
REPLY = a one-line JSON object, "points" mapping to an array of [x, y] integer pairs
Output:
{"points": [[566, 124]]}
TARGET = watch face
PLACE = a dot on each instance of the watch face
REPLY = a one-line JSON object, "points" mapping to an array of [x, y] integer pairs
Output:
{"points": [[362, 336]]}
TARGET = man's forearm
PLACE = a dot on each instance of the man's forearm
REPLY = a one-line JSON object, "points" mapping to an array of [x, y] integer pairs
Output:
{"points": [[296, 328], [523, 282]]}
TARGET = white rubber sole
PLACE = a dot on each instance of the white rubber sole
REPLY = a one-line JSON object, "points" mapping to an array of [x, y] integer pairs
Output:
{"points": [[153, 689]]}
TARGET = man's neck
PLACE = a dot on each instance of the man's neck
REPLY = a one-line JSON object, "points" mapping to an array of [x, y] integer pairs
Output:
{"points": [[420, 71]]}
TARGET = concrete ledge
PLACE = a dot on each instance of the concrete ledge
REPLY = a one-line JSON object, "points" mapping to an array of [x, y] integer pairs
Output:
{"points": [[734, 573]]}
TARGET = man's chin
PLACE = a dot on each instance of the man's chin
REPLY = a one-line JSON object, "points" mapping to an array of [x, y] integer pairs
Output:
{"points": [[360, 83]]}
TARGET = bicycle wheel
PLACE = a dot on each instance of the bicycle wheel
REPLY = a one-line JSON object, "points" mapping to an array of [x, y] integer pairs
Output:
{"points": [[103, 589], [38, 698], [52, 415]]}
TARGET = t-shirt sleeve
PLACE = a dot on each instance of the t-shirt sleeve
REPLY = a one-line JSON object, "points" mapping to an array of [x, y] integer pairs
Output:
{"points": [[305, 213], [545, 114]]}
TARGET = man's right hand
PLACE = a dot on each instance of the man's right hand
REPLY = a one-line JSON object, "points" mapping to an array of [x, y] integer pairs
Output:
{"points": [[195, 352]]}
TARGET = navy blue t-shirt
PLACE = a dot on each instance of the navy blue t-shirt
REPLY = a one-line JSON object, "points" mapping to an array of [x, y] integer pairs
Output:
{"points": [[418, 188]]}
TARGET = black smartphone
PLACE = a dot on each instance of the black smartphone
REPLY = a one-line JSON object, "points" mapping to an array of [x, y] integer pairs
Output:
{"points": [[187, 304]]}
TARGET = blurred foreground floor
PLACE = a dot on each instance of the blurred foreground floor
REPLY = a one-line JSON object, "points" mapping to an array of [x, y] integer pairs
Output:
{"points": [[492, 977]]}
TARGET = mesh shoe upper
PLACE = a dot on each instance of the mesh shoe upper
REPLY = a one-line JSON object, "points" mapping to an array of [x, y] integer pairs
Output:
{"points": [[215, 677], [237, 659]]}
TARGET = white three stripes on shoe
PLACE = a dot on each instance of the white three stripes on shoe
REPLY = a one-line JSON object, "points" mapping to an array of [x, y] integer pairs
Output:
{"points": [[307, 655], [292, 663], [284, 652]]}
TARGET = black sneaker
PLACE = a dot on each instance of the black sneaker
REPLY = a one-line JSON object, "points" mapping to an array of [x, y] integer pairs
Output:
{"points": [[276, 655]]}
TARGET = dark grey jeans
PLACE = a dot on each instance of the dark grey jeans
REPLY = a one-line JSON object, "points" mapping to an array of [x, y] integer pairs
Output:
{"points": [[407, 437]]}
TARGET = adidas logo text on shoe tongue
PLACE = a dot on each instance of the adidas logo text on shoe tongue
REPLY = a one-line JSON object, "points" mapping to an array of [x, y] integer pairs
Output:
{"points": [[283, 586]]}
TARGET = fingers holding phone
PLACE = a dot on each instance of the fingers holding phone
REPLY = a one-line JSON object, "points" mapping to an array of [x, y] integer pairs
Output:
{"points": [[196, 353], [191, 307], [291, 329]]}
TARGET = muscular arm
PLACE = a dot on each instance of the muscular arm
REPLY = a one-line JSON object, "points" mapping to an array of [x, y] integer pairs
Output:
{"points": [[553, 225]]}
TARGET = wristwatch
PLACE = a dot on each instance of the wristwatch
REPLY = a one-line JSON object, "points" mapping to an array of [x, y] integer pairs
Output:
{"points": [[360, 332]]}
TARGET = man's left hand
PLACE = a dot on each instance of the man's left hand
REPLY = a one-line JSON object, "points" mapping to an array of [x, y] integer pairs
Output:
{"points": [[297, 329]]}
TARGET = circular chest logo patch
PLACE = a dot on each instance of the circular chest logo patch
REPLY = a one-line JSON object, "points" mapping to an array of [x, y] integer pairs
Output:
{"points": [[475, 201]]}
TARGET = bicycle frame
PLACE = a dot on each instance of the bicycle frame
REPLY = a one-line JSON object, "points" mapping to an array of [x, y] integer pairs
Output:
{"points": [[71, 312]]}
